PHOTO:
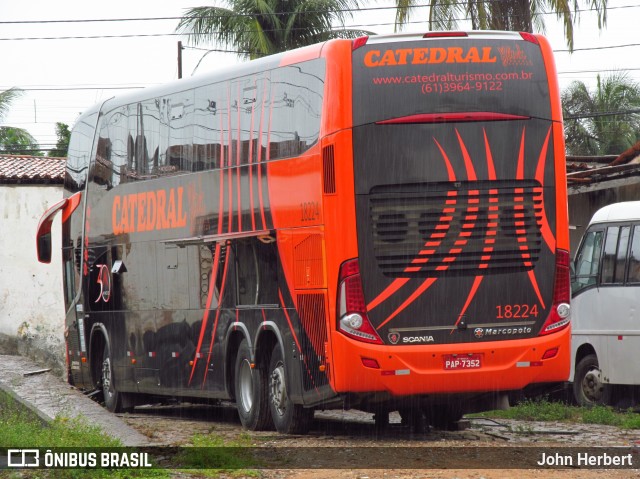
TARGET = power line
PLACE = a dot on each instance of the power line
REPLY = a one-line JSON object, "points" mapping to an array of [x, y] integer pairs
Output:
{"points": [[234, 14]]}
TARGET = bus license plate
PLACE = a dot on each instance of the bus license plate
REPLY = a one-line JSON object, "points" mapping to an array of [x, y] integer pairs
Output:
{"points": [[467, 361]]}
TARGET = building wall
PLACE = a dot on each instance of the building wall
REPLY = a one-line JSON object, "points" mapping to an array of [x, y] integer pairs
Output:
{"points": [[31, 300], [582, 207]]}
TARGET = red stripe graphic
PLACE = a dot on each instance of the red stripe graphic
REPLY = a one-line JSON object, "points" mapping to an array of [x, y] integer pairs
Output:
{"points": [[444, 224], [238, 151], [230, 162], [295, 338], [472, 294], [251, 204], [545, 229], [205, 316], [215, 324]]}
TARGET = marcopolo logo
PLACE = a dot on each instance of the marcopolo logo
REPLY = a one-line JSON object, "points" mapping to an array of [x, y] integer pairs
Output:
{"points": [[506, 331]]}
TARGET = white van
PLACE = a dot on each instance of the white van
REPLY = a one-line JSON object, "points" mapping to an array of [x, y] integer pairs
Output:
{"points": [[605, 305]]}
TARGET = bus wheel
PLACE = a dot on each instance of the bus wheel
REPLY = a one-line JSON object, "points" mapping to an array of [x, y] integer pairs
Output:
{"points": [[444, 417], [251, 391], [413, 418], [114, 400], [588, 387], [289, 418]]}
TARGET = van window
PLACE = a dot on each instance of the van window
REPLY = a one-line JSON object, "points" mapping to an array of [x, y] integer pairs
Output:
{"points": [[634, 257], [621, 255], [587, 261], [609, 258]]}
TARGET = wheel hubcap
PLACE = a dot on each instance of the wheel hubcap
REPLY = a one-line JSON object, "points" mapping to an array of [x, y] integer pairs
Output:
{"points": [[278, 389], [106, 377], [592, 385], [246, 386]]}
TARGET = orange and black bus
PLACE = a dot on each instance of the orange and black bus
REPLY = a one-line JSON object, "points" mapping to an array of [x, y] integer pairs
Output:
{"points": [[377, 223]]}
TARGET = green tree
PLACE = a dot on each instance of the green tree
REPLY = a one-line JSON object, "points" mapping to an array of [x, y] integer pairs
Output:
{"points": [[517, 15], [590, 127], [15, 141], [6, 98], [262, 27], [62, 145]]}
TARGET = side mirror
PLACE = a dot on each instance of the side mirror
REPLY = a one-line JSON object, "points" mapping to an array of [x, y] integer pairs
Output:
{"points": [[44, 248], [43, 235]]}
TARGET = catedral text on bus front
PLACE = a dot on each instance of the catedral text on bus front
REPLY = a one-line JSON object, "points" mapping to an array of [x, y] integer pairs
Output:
{"points": [[294, 233]]}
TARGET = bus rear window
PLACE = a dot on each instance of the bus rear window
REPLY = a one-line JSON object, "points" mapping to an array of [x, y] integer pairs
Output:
{"points": [[449, 75]]}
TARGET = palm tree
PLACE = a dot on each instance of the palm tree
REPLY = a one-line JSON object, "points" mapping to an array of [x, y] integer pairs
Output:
{"points": [[518, 15], [6, 97], [262, 27], [590, 126], [14, 141]]}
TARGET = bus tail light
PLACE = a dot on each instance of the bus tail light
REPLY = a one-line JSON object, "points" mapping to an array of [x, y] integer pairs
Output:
{"points": [[442, 34], [359, 42], [352, 311], [560, 314], [529, 37]]}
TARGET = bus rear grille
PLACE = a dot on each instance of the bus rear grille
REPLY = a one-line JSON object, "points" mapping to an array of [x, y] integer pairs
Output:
{"points": [[462, 228]]}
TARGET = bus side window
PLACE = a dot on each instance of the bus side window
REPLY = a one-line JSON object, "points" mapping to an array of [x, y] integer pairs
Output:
{"points": [[634, 257], [588, 261], [609, 259]]}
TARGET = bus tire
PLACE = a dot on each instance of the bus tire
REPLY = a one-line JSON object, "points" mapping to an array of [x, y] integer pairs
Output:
{"points": [[588, 388], [444, 417], [114, 400], [288, 418], [251, 391]]}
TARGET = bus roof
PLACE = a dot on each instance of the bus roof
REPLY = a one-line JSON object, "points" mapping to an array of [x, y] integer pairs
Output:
{"points": [[624, 211]]}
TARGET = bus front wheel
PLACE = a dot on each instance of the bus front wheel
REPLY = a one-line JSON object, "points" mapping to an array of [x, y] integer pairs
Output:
{"points": [[251, 391], [588, 386], [114, 400], [289, 418]]}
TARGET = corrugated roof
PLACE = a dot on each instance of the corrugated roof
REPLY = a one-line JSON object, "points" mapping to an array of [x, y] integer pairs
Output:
{"points": [[31, 169]]}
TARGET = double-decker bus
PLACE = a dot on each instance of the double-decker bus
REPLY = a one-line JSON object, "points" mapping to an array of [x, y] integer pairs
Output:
{"points": [[377, 223]]}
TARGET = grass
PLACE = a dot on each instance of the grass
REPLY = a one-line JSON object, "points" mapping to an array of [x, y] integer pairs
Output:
{"points": [[207, 456], [20, 428], [210, 452], [544, 410]]}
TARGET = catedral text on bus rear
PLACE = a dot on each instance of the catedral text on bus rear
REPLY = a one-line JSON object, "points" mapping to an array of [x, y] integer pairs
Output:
{"points": [[421, 56]]}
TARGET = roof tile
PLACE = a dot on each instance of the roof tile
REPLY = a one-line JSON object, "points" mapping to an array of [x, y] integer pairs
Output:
{"points": [[31, 169]]}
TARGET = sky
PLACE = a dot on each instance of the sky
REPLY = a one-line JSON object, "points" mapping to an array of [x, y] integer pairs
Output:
{"points": [[62, 76]]}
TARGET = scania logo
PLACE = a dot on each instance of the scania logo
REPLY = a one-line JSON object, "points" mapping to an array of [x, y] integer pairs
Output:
{"points": [[394, 338], [478, 333], [418, 339]]}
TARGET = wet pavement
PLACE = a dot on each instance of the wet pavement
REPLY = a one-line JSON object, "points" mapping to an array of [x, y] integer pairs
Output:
{"points": [[48, 396]]}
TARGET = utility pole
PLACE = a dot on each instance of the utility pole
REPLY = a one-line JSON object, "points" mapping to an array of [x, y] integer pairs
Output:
{"points": [[179, 60]]}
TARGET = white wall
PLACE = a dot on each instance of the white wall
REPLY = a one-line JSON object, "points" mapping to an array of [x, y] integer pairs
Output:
{"points": [[31, 301]]}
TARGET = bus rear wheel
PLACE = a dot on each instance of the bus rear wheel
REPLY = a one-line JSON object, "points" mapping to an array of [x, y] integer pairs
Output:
{"points": [[289, 418], [251, 391], [588, 386]]}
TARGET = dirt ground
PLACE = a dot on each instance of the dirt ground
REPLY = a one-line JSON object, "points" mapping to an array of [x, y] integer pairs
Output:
{"points": [[348, 441]]}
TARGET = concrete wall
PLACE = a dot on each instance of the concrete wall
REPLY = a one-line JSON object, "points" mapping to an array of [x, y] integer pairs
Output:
{"points": [[31, 301]]}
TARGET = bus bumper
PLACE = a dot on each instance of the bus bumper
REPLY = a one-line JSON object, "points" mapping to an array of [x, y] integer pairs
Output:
{"points": [[420, 370]]}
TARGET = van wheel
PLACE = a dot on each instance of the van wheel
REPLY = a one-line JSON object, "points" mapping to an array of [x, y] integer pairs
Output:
{"points": [[114, 400], [588, 387], [251, 391], [289, 418]]}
